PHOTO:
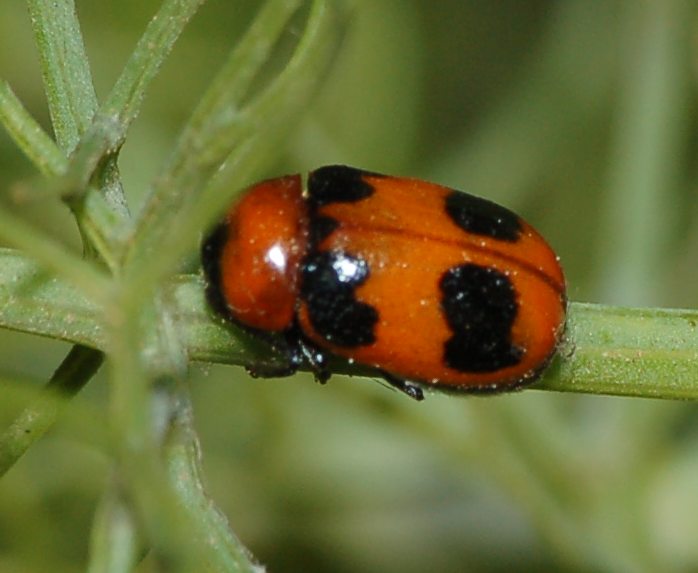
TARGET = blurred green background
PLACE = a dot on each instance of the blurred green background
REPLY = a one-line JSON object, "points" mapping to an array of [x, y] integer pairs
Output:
{"points": [[578, 114]]}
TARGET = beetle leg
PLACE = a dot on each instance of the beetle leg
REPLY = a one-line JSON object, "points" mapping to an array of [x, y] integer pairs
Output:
{"points": [[275, 370], [404, 386], [288, 347], [316, 359]]}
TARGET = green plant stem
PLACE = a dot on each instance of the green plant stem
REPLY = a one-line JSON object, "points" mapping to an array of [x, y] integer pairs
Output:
{"points": [[134, 428], [207, 337], [607, 350], [75, 371], [183, 457], [29, 135], [627, 352], [144, 348], [114, 544]]}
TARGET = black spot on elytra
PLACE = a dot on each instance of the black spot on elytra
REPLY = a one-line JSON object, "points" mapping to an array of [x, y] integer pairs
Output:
{"points": [[321, 227], [482, 217], [327, 287], [211, 251], [480, 306], [338, 184]]}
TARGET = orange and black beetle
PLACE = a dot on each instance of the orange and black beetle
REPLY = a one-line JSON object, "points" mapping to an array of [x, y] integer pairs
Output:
{"points": [[432, 287]]}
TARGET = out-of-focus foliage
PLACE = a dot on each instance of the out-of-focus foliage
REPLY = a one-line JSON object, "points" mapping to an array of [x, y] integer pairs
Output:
{"points": [[580, 115]]}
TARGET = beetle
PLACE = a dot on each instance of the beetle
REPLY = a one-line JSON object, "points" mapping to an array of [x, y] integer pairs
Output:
{"points": [[427, 286]]}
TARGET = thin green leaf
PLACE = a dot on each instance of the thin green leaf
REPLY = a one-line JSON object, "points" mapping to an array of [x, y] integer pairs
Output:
{"points": [[29, 135], [71, 97], [52, 255], [180, 198], [125, 100], [192, 163], [228, 90], [34, 301]]}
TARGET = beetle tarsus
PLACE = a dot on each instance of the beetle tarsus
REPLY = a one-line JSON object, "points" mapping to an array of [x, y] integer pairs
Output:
{"points": [[404, 386]]}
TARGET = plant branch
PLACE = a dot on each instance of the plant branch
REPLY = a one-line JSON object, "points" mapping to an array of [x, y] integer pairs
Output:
{"points": [[75, 371], [183, 458], [107, 132], [179, 198], [607, 350]]}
